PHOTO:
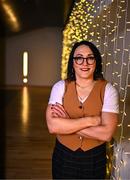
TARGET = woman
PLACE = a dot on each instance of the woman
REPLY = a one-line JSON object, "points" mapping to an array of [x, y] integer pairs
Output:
{"points": [[83, 113]]}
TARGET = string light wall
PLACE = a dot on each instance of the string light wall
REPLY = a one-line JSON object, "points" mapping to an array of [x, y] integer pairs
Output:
{"points": [[106, 23]]}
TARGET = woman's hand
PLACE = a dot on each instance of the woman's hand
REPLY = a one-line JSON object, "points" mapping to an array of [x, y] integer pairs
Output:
{"points": [[96, 120], [59, 111]]}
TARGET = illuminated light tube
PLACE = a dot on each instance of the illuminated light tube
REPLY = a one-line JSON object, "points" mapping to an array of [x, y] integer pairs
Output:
{"points": [[25, 80], [25, 66]]}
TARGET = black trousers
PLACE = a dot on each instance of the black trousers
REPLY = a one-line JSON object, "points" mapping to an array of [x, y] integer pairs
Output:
{"points": [[68, 164]]}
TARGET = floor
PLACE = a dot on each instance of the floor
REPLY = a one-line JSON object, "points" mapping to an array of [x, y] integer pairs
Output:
{"points": [[28, 144]]}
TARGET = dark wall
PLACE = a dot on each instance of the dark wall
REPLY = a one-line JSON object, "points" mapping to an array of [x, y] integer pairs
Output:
{"points": [[2, 54], [2, 61], [2, 102]]}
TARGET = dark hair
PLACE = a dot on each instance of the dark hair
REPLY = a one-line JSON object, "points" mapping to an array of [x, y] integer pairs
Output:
{"points": [[98, 70]]}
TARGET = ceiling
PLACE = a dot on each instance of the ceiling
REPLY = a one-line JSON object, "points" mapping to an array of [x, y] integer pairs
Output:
{"points": [[18, 16]]}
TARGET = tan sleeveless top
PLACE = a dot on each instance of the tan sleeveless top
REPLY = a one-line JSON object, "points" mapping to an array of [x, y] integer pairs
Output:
{"points": [[91, 107]]}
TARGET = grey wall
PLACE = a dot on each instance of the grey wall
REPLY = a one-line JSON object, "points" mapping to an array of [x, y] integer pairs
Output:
{"points": [[44, 47]]}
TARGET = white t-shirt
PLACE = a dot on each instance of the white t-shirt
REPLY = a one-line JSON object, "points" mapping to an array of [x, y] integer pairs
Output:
{"points": [[110, 103]]}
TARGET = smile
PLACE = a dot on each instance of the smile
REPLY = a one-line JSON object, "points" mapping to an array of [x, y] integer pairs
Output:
{"points": [[85, 69]]}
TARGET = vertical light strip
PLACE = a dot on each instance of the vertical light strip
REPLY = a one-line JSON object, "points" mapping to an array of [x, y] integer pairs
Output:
{"points": [[25, 67]]}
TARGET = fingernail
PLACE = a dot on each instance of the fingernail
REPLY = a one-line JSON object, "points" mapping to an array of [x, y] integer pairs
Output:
{"points": [[52, 106]]}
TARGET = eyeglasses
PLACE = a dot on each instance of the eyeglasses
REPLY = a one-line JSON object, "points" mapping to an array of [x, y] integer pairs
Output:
{"points": [[80, 60]]}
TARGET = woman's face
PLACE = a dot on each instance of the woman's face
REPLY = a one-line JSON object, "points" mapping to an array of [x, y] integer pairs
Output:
{"points": [[84, 68]]}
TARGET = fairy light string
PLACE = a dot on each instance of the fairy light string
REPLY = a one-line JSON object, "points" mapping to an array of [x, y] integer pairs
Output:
{"points": [[124, 85], [106, 23]]}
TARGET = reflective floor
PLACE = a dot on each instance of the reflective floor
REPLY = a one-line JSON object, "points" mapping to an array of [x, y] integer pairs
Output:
{"points": [[28, 143]]}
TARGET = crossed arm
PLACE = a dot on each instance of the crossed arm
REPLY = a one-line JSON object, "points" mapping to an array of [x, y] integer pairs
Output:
{"points": [[96, 127], [58, 121]]}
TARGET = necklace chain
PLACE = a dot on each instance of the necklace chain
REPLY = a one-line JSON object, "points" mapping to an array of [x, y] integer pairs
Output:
{"points": [[83, 87]]}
